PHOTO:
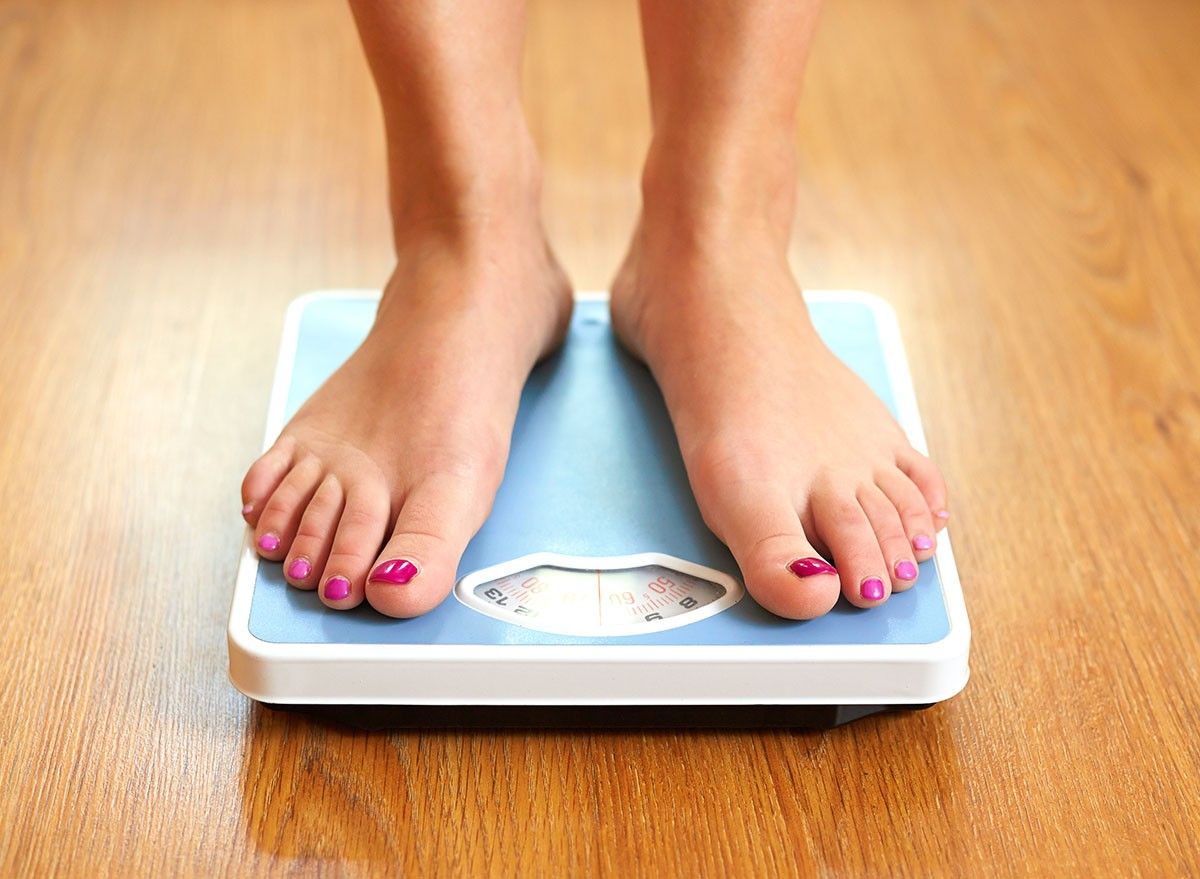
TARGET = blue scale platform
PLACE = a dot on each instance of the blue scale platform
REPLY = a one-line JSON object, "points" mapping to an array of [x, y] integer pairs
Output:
{"points": [[594, 471]]}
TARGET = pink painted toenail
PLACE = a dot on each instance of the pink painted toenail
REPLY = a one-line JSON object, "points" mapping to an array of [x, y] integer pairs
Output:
{"points": [[337, 588], [906, 570], [872, 589], [398, 571], [268, 543], [247, 509], [922, 541], [943, 514], [299, 569], [808, 567]]}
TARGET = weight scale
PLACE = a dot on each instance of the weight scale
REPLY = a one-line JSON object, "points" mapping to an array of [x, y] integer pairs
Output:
{"points": [[594, 596]]}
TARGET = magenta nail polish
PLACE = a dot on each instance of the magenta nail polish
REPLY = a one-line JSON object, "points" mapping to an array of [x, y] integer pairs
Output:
{"points": [[922, 541], [268, 542], [247, 509], [943, 514], [397, 571], [872, 589], [906, 570], [808, 567], [299, 569], [337, 588]]}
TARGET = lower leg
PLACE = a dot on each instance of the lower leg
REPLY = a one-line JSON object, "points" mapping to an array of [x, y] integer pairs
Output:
{"points": [[725, 83], [448, 78], [788, 452], [374, 487]]}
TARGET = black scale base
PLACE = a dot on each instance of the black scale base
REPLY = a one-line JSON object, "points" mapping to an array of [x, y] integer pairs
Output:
{"points": [[592, 717]]}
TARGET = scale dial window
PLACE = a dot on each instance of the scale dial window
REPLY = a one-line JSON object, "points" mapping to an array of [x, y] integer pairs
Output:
{"points": [[604, 601]]}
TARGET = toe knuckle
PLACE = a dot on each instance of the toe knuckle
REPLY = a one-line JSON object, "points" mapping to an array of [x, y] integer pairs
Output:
{"points": [[419, 534], [711, 466], [360, 517], [309, 463], [843, 514], [277, 507], [769, 545], [309, 532], [473, 457], [346, 561], [720, 461]]}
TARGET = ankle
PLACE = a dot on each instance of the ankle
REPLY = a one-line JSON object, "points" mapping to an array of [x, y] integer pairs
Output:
{"points": [[706, 188], [459, 187], [479, 261]]}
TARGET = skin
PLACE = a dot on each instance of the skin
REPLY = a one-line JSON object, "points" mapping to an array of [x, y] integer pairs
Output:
{"points": [[400, 454], [789, 454]]}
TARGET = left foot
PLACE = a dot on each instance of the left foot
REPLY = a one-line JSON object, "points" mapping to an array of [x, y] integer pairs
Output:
{"points": [[790, 455]]}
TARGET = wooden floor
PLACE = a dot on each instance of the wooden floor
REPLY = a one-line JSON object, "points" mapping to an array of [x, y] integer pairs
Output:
{"points": [[1021, 179]]}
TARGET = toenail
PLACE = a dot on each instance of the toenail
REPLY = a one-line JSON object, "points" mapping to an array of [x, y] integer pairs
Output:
{"points": [[268, 542], [247, 509], [398, 571], [872, 589], [906, 570], [299, 569], [922, 541], [943, 514], [337, 588], [807, 567]]}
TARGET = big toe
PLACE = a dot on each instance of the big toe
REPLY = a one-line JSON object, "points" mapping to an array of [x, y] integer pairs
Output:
{"points": [[782, 570], [417, 568]]}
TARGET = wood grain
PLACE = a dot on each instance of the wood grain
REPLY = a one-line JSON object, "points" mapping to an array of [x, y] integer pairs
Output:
{"points": [[1022, 180]]}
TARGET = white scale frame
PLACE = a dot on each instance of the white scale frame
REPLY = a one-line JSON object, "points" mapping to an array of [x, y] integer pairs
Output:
{"points": [[611, 673]]}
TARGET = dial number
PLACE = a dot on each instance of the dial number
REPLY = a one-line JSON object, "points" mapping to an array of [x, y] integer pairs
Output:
{"points": [[610, 601]]}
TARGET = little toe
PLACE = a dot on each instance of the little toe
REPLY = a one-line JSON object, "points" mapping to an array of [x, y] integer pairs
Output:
{"points": [[264, 477], [306, 559], [928, 479], [281, 514], [844, 527], [361, 530], [782, 570], [889, 532], [417, 568], [912, 509]]}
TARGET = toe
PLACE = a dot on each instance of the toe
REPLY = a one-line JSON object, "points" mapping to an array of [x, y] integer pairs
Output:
{"points": [[844, 527], [418, 566], [306, 559], [890, 534], [281, 514], [361, 529], [782, 570], [914, 512], [264, 477], [928, 479]]}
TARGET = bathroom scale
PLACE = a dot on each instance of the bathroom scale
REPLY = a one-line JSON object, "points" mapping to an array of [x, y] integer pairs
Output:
{"points": [[594, 596]]}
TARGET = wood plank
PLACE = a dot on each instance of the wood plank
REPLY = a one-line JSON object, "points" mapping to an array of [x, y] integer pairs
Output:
{"points": [[1021, 179]]}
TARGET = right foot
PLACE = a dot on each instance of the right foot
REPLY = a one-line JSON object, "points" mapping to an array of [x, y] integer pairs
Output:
{"points": [[375, 486]]}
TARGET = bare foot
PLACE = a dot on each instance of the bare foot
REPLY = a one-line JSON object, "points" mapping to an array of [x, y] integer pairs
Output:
{"points": [[406, 443], [790, 454]]}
